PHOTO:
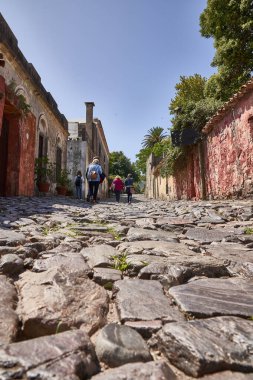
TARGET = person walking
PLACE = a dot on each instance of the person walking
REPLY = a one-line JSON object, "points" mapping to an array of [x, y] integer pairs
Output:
{"points": [[93, 175], [129, 182], [78, 184], [117, 186]]}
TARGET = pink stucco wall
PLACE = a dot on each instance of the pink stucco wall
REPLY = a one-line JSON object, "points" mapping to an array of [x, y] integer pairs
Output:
{"points": [[187, 180], [228, 157], [229, 152]]}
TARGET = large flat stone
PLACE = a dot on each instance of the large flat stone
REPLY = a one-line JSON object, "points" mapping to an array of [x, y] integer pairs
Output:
{"points": [[118, 344], [59, 300], [142, 371], [147, 223], [99, 255], [144, 234], [11, 238], [103, 276], [233, 252], [206, 236], [145, 328], [68, 355], [8, 316], [212, 296], [11, 264], [159, 248], [179, 269], [73, 262], [142, 300], [228, 375], [174, 221], [210, 345]]}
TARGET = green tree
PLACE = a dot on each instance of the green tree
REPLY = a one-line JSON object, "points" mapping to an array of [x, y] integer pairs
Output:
{"points": [[154, 135], [191, 107], [121, 165], [141, 159], [188, 89], [230, 24]]}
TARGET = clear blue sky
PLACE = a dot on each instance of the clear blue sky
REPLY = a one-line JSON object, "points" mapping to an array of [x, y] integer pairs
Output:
{"points": [[125, 55]]}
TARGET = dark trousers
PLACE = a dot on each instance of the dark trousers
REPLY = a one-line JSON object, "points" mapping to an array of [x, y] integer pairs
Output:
{"points": [[129, 194], [79, 192], [93, 189], [117, 195]]}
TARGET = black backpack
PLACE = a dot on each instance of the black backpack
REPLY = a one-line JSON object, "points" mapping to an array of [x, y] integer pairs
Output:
{"points": [[78, 180]]}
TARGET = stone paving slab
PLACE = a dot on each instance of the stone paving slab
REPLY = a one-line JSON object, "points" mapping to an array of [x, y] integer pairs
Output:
{"points": [[213, 296], [179, 270], [176, 221], [206, 236], [106, 276], [209, 345], [162, 248], [59, 300], [140, 300], [11, 238], [68, 355], [73, 262], [99, 256], [228, 375], [142, 371], [145, 328], [8, 316], [143, 234], [119, 344]]}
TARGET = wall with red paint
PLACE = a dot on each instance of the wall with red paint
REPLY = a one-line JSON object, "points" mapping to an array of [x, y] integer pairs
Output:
{"points": [[2, 100], [27, 152], [229, 152], [187, 179], [12, 179], [23, 134]]}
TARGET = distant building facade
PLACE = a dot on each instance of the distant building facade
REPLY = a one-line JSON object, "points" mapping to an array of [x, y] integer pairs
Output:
{"points": [[30, 123], [87, 140]]}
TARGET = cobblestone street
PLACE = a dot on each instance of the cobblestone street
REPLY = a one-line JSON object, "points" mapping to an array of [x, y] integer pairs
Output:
{"points": [[150, 290]]}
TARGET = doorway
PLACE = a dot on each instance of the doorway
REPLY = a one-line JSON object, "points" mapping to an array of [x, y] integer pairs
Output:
{"points": [[4, 156]]}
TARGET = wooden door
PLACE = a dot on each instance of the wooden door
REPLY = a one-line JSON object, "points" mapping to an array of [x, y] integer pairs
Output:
{"points": [[3, 156]]}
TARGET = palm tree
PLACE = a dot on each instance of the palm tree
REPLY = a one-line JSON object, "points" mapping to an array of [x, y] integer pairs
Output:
{"points": [[154, 135]]}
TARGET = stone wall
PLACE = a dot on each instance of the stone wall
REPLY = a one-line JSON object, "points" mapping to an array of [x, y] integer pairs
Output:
{"points": [[156, 185], [220, 166], [77, 160], [229, 152], [23, 133]]}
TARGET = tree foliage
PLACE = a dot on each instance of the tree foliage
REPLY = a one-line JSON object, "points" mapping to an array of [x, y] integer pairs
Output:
{"points": [[230, 24], [188, 89], [152, 142], [141, 160], [191, 107], [121, 165], [154, 135]]}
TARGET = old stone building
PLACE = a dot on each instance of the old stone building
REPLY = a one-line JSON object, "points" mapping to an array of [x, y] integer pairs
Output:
{"points": [[30, 123], [221, 164], [86, 140], [158, 187]]}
